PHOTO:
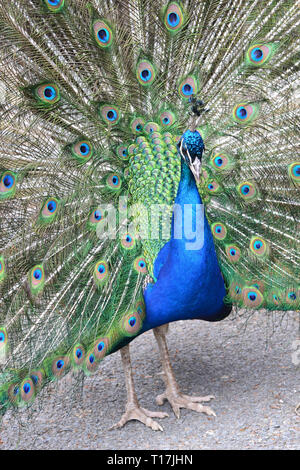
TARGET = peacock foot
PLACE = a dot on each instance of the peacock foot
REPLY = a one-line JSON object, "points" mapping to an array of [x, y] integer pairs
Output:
{"points": [[143, 415], [178, 400]]}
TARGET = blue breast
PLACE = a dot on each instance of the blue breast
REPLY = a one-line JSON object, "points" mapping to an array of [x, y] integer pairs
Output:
{"points": [[189, 283]]}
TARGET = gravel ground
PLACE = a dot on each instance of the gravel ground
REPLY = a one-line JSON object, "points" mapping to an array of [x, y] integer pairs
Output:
{"points": [[251, 373]]}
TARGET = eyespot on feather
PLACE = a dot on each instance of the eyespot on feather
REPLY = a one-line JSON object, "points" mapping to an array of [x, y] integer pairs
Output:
{"points": [[188, 87], [37, 378], [96, 217], [221, 161], [102, 34], [294, 172], [174, 17], [145, 72], [292, 297], [14, 393], [60, 365], [244, 113], [236, 291], [101, 348], [49, 210], [219, 230], [8, 185], [122, 152], [78, 355], [233, 253], [131, 323], [113, 181], [54, 6], [27, 390], [110, 114], [259, 247], [91, 363], [101, 273], [3, 340], [137, 125], [213, 187], [259, 54], [275, 298], [247, 190], [127, 241], [252, 297], [82, 150], [140, 265], [47, 93], [36, 278], [167, 118], [151, 127]]}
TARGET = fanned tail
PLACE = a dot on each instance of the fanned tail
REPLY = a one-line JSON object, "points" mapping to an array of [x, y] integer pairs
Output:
{"points": [[97, 94]]}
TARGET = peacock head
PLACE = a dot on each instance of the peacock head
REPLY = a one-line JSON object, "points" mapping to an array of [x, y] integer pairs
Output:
{"points": [[191, 147]]}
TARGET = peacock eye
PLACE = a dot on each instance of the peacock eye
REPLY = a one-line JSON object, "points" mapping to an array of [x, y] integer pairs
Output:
{"points": [[102, 34], [78, 353], [84, 149], [109, 113], [244, 113], [8, 181], [59, 364], [173, 19], [91, 358], [55, 5], [37, 274], [101, 268], [51, 206], [187, 89], [256, 54], [132, 321], [49, 93], [97, 215], [241, 112], [145, 72]]}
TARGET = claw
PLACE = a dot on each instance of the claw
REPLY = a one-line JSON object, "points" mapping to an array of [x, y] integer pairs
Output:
{"points": [[143, 415], [178, 400]]}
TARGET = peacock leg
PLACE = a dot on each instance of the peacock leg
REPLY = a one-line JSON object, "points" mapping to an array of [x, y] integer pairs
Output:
{"points": [[176, 399], [133, 410]]}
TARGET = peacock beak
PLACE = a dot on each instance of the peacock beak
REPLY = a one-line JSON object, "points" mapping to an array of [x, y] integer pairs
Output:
{"points": [[195, 168], [193, 162]]}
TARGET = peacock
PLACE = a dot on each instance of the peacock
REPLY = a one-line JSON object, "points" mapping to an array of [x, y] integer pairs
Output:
{"points": [[148, 174]]}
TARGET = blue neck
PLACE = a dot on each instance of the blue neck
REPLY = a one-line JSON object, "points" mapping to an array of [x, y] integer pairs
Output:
{"points": [[189, 282]]}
